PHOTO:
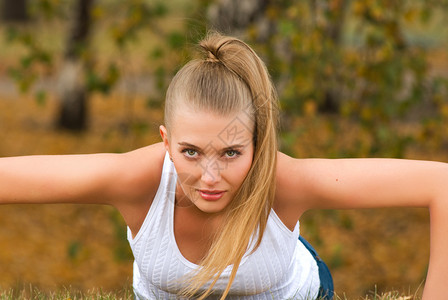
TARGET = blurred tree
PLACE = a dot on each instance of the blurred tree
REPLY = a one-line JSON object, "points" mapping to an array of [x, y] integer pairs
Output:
{"points": [[234, 17], [72, 89], [80, 73], [350, 58], [335, 12], [230, 16], [15, 11]]}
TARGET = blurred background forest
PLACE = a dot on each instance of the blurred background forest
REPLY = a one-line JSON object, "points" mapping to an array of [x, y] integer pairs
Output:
{"points": [[356, 78]]}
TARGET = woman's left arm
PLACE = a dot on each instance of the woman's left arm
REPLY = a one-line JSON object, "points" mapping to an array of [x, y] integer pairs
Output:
{"points": [[304, 184]]}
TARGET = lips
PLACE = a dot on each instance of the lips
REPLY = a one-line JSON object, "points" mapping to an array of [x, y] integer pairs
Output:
{"points": [[211, 195]]}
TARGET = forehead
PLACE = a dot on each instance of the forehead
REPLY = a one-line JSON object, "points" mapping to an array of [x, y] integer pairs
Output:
{"points": [[204, 128]]}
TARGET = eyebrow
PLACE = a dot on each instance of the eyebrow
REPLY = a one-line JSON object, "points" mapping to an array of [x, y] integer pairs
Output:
{"points": [[185, 144]]}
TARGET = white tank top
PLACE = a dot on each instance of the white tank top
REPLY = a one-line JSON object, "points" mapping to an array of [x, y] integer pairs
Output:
{"points": [[280, 268]]}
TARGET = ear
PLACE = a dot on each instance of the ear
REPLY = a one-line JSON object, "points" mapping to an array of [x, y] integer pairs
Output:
{"points": [[164, 134]]}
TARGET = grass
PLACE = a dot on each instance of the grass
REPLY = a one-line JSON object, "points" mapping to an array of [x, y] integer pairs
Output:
{"points": [[384, 296], [33, 293]]}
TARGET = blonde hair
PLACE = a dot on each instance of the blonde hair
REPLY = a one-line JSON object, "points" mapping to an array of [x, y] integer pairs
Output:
{"points": [[229, 79]]}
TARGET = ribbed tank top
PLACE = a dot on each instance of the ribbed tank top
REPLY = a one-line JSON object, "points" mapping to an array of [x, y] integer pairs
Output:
{"points": [[280, 268]]}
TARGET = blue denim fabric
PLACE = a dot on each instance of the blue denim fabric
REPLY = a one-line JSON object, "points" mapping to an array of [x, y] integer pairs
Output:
{"points": [[326, 290]]}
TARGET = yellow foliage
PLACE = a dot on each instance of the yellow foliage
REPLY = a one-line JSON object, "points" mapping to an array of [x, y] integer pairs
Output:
{"points": [[97, 12], [444, 110], [411, 15], [359, 7], [310, 108]]}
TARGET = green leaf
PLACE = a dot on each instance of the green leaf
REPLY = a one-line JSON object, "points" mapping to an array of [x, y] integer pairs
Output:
{"points": [[160, 9], [176, 40], [157, 53], [73, 249], [26, 61], [12, 34], [113, 74], [287, 28], [154, 103], [425, 15], [41, 97]]}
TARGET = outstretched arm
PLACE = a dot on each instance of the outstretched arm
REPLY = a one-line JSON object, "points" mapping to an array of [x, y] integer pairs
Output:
{"points": [[91, 178], [58, 178], [370, 183], [126, 181]]}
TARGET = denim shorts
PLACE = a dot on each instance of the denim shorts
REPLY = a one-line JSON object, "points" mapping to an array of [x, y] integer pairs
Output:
{"points": [[326, 290]]}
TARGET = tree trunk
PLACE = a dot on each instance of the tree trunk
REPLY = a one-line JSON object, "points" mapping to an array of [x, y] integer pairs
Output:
{"points": [[72, 90], [234, 16], [14, 11], [335, 10]]}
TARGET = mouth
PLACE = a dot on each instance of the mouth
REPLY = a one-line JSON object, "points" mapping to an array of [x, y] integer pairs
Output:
{"points": [[211, 195]]}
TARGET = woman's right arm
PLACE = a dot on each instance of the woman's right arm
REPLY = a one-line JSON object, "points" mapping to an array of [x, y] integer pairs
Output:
{"points": [[92, 178]]}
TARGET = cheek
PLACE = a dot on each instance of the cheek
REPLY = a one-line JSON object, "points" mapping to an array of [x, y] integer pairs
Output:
{"points": [[239, 171], [188, 174]]}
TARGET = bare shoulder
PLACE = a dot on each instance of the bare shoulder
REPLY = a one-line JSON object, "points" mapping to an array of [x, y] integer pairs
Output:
{"points": [[141, 171], [292, 176], [141, 174], [294, 187]]}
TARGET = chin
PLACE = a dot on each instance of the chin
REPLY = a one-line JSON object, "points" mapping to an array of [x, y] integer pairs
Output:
{"points": [[211, 207]]}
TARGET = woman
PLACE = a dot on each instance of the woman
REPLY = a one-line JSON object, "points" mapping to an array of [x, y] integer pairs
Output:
{"points": [[213, 210]]}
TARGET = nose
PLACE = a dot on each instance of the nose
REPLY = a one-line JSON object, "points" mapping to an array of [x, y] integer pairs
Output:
{"points": [[211, 173]]}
